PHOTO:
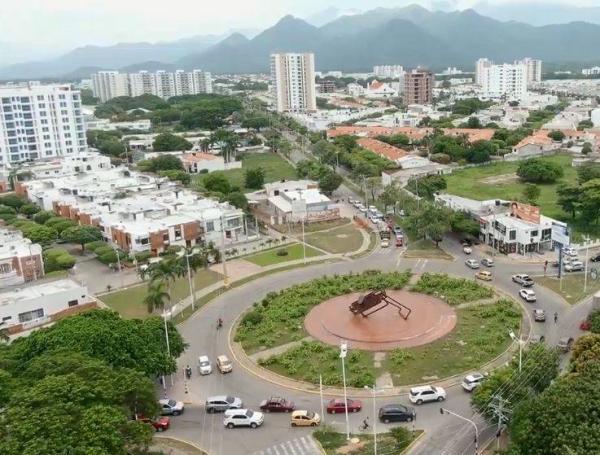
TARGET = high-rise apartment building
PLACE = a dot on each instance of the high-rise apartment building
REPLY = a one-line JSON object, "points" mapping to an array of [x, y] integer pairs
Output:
{"points": [[418, 87], [293, 82], [480, 66], [504, 81], [109, 84], [40, 121], [388, 71], [533, 68]]}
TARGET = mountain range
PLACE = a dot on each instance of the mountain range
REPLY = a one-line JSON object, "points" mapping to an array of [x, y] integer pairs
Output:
{"points": [[410, 36]]}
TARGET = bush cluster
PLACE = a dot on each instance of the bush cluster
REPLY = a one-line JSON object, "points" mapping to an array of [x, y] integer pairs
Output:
{"points": [[453, 290]]}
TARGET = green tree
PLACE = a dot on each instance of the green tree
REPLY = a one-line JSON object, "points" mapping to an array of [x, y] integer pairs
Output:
{"points": [[161, 163], [167, 142], [587, 148], [12, 200], [390, 195], [157, 296], [531, 193], [473, 122], [462, 223], [539, 171], [237, 199], [556, 135], [57, 259], [29, 210], [43, 216], [429, 221], [217, 182], [256, 122], [81, 235], [59, 224], [254, 178], [588, 171], [329, 181], [427, 186], [480, 151], [43, 235], [590, 200]]}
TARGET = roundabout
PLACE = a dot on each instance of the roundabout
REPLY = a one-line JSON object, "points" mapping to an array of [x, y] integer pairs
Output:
{"points": [[429, 318]]}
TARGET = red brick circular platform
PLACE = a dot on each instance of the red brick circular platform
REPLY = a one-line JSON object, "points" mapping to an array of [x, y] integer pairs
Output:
{"points": [[430, 319]]}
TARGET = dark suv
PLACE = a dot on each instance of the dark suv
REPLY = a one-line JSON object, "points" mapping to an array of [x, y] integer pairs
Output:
{"points": [[396, 413]]}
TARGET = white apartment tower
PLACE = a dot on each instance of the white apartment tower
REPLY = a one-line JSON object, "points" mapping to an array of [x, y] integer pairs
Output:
{"points": [[165, 84], [388, 71], [504, 81], [480, 66], [534, 69], [142, 83], [184, 83], [109, 84], [202, 81], [293, 82], [40, 121]]}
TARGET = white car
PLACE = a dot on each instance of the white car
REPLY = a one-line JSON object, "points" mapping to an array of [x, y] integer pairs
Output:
{"points": [[385, 243], [574, 266], [362, 208], [472, 263], [204, 365], [467, 250], [523, 279], [471, 381], [528, 295], [570, 251], [488, 262], [423, 394], [243, 418], [171, 407]]}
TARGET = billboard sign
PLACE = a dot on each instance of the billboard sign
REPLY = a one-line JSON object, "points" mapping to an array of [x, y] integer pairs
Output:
{"points": [[560, 233], [525, 212]]}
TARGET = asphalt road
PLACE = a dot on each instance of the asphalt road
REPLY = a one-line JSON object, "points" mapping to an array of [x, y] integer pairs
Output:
{"points": [[444, 434]]}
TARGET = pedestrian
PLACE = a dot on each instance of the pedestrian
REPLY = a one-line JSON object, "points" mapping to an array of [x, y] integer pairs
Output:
{"points": [[555, 317]]}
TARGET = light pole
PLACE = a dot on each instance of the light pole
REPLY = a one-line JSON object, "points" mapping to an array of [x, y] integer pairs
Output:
{"points": [[343, 353], [446, 411], [321, 395], [223, 258], [585, 273], [520, 341], [189, 274], [374, 392], [164, 315]]}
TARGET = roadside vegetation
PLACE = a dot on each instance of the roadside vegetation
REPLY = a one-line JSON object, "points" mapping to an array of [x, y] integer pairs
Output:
{"points": [[454, 291]]}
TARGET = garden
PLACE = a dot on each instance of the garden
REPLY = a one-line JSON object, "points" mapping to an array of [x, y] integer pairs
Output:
{"points": [[286, 253], [394, 441], [453, 291]]}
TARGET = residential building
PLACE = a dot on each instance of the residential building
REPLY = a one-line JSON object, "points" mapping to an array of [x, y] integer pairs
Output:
{"points": [[20, 259], [165, 84], [142, 83], [63, 166], [418, 87], [382, 149], [414, 134], [504, 81], [354, 89], [40, 121], [388, 71], [593, 71], [293, 82], [308, 205], [197, 162], [533, 69], [39, 304], [104, 124], [109, 84], [480, 67], [377, 89], [202, 81], [326, 86], [413, 166]]}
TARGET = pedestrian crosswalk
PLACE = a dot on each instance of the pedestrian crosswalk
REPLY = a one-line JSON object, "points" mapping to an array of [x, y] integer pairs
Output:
{"points": [[304, 445]]}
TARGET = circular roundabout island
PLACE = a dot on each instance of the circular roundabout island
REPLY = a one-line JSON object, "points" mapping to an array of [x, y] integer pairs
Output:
{"points": [[397, 334]]}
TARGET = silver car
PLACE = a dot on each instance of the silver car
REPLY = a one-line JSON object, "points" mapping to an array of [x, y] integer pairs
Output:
{"points": [[221, 403], [472, 263]]}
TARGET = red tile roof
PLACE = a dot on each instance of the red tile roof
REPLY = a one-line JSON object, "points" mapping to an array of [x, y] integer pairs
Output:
{"points": [[197, 156], [381, 148]]}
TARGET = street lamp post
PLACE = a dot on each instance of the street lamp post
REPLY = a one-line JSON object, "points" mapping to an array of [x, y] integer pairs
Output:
{"points": [[520, 341], [189, 274], [446, 411], [343, 353], [164, 315], [374, 392]]}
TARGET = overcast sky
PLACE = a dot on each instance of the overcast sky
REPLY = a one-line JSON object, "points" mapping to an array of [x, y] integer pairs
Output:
{"points": [[70, 23]]}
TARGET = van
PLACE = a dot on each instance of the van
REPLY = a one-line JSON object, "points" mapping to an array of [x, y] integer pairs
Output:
{"points": [[224, 364]]}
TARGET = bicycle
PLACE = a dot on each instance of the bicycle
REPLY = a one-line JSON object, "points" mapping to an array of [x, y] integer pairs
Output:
{"points": [[364, 426]]}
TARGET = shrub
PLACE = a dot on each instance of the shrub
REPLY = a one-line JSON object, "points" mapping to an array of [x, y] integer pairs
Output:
{"points": [[92, 246], [453, 290], [402, 436], [539, 171], [399, 356], [595, 321], [282, 252], [57, 259], [143, 256]]}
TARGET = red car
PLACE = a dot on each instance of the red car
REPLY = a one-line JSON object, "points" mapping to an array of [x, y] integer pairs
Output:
{"points": [[585, 325], [159, 423], [277, 404], [337, 405]]}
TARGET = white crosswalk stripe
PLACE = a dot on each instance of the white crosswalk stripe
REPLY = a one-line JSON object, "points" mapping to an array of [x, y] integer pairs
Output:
{"points": [[304, 445]]}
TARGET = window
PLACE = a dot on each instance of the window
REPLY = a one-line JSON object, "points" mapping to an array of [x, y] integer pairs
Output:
{"points": [[144, 241], [210, 226], [177, 233], [512, 235], [31, 315], [5, 268], [73, 303]]}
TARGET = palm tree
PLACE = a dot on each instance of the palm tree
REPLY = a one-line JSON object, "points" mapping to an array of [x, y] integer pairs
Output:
{"points": [[205, 144], [230, 146], [157, 296]]}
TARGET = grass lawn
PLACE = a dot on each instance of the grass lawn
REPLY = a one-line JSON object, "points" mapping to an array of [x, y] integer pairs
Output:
{"points": [[470, 183], [481, 334], [332, 441], [275, 167], [130, 302], [344, 239], [311, 227], [572, 286], [295, 251], [425, 249]]}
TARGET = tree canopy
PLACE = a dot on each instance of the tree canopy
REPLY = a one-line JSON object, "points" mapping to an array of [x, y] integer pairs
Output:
{"points": [[81, 235], [539, 171], [254, 178], [164, 162], [167, 142]]}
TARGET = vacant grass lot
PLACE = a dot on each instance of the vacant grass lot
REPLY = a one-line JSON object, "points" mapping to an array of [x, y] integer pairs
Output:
{"points": [[480, 335], [471, 183], [425, 249], [345, 239], [296, 228], [275, 167], [572, 286], [130, 302], [270, 257]]}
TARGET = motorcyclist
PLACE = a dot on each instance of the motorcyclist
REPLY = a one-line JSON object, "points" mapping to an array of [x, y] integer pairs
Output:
{"points": [[219, 323], [188, 372]]}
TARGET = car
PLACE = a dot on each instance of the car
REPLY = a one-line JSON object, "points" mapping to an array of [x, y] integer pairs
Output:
{"points": [[574, 266], [399, 241], [422, 394], [484, 275], [224, 364], [539, 315], [385, 243], [528, 295], [471, 381], [472, 263], [171, 407], [337, 405], [595, 258], [488, 262], [396, 413], [401, 212], [373, 209], [305, 419], [536, 339], [570, 251], [277, 404], [351, 201], [158, 423], [204, 365], [398, 230], [466, 242], [564, 344], [523, 279], [467, 250], [243, 418], [222, 403], [362, 209]]}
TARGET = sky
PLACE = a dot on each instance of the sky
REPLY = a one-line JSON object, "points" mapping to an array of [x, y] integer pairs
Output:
{"points": [[64, 24]]}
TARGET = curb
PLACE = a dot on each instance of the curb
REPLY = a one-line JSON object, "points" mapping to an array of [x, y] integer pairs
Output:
{"points": [[413, 444], [183, 441]]}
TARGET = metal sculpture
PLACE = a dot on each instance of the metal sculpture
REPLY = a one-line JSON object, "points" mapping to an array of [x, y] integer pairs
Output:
{"points": [[375, 301]]}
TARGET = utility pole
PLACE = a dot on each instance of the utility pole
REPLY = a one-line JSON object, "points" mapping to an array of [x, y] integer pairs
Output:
{"points": [[500, 409]]}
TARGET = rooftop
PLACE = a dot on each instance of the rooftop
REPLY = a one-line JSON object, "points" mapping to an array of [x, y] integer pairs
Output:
{"points": [[381, 148], [20, 294]]}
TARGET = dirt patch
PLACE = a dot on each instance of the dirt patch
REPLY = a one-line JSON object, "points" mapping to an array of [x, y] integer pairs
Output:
{"points": [[501, 179]]}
